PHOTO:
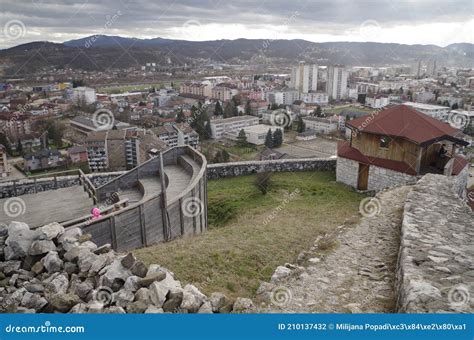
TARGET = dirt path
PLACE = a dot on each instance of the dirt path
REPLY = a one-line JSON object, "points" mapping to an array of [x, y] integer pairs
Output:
{"points": [[351, 271]]}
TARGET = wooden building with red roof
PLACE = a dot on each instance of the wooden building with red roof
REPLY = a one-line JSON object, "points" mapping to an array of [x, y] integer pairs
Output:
{"points": [[395, 146]]}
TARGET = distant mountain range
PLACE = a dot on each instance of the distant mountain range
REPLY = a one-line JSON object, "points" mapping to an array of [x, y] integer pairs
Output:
{"points": [[101, 53]]}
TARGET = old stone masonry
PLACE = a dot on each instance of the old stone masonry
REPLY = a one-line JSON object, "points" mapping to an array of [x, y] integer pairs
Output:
{"points": [[411, 252]]}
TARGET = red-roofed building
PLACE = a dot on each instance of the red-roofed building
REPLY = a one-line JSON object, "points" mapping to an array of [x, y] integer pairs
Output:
{"points": [[395, 146]]}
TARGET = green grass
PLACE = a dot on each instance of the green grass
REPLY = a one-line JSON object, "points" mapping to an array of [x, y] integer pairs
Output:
{"points": [[250, 234], [338, 110]]}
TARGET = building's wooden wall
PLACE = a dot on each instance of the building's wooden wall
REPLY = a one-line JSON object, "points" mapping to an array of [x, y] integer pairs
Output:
{"points": [[398, 150]]}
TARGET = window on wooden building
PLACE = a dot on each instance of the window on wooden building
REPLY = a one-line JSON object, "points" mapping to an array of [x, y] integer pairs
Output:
{"points": [[385, 141]]}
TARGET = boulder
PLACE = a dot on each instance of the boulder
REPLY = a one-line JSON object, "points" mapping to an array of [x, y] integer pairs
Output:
{"points": [[95, 307], [280, 273], [40, 247], [243, 305], [33, 301], [143, 294], [158, 293], [57, 283], [10, 267], [192, 299], [103, 249], [206, 308], [63, 302], [137, 307], [123, 297], [115, 274], [86, 259], [139, 269], [51, 262], [18, 241], [83, 289], [217, 300], [173, 301], [149, 279], [128, 261], [35, 288], [132, 283], [50, 231], [153, 310], [71, 268], [37, 268], [80, 308], [70, 235]]}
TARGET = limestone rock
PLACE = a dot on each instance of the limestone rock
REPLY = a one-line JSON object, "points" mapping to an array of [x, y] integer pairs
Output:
{"points": [[280, 273], [218, 300], [51, 262], [50, 231], [243, 305], [18, 241], [40, 247]]}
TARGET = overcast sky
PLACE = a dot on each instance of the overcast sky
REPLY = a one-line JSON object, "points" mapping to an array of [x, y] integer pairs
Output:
{"points": [[440, 22]]}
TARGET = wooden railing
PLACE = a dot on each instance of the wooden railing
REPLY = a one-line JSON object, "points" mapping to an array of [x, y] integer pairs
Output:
{"points": [[86, 220], [88, 186]]}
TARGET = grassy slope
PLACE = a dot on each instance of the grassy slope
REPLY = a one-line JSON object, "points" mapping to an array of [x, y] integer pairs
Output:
{"points": [[240, 249]]}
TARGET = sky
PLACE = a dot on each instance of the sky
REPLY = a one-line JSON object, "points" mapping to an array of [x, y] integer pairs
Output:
{"points": [[438, 22]]}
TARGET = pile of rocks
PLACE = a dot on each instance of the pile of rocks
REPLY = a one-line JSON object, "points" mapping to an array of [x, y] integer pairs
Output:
{"points": [[51, 269]]}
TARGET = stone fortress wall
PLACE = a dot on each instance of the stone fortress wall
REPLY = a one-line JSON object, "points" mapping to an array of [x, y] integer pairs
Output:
{"points": [[435, 272]]}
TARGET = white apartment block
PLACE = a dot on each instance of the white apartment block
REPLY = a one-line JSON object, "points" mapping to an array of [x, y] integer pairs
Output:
{"points": [[219, 127], [304, 78], [376, 101], [256, 133], [435, 111], [85, 94], [283, 97], [321, 125], [336, 87], [320, 98]]}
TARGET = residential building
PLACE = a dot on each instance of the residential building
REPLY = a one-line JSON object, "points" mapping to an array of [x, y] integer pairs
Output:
{"points": [[42, 160], [224, 92], [336, 87], [219, 127], [167, 134], [320, 98], [304, 78], [117, 150], [282, 97], [83, 94], [376, 101], [186, 135], [4, 166], [321, 125], [435, 111], [77, 154], [255, 133], [197, 89], [395, 147]]}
